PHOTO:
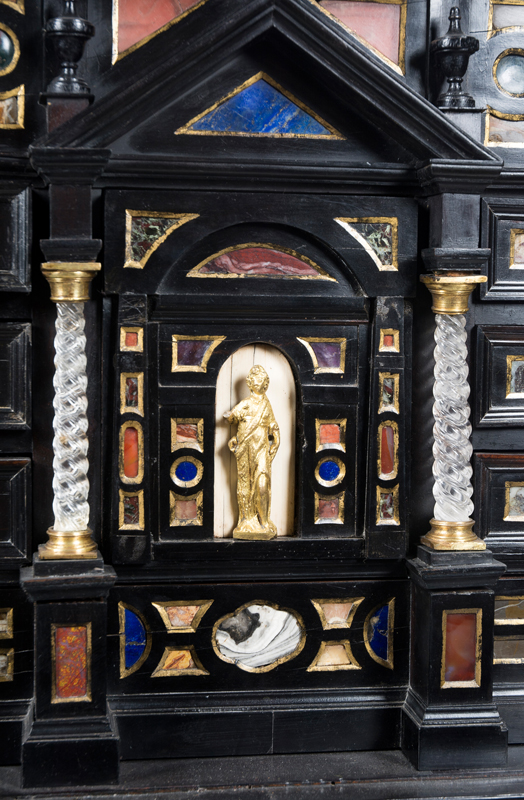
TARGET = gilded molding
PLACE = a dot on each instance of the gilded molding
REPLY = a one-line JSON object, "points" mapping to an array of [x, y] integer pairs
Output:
{"points": [[445, 535], [512, 51], [451, 293], [68, 544], [69, 281]]}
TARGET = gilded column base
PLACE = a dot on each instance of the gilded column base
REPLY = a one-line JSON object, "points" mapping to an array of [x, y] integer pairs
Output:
{"points": [[68, 544], [452, 536]]}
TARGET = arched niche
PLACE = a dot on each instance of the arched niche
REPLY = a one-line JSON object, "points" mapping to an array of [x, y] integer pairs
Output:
{"points": [[231, 389]]}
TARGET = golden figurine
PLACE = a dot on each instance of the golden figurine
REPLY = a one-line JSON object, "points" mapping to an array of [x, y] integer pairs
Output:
{"points": [[255, 446]]}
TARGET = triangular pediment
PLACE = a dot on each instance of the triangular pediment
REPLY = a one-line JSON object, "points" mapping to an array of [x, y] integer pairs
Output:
{"points": [[192, 73]]}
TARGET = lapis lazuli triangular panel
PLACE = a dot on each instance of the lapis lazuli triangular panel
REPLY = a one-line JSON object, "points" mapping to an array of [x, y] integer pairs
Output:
{"points": [[260, 109]]}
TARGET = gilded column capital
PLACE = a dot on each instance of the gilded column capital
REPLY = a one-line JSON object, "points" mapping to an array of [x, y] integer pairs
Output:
{"points": [[451, 292], [69, 281]]}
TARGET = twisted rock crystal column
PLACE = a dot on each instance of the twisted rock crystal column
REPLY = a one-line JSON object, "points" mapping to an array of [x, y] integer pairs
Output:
{"points": [[70, 444], [452, 526], [70, 537]]}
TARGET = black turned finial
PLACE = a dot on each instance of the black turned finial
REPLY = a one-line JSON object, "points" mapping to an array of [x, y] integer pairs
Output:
{"points": [[451, 53], [69, 34]]}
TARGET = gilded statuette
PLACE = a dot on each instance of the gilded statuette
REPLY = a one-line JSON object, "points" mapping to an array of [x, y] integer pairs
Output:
{"points": [[255, 446]]}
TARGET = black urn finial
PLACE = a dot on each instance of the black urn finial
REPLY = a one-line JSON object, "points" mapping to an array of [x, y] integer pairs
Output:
{"points": [[69, 34], [452, 53]]}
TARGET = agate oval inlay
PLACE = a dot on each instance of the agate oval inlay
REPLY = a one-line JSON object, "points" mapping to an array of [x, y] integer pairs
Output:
{"points": [[259, 636]]}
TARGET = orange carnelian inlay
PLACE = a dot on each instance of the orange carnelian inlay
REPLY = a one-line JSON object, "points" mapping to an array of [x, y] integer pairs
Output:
{"points": [[330, 434], [131, 452], [387, 450], [131, 338], [461, 642], [388, 340]]}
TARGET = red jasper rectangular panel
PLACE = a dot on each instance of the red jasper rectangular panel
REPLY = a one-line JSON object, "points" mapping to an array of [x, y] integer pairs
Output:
{"points": [[71, 662], [461, 647], [131, 452], [387, 450], [131, 339], [329, 433]]}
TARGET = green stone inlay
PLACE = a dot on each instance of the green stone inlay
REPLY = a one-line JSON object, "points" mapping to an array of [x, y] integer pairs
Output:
{"points": [[379, 236], [145, 231]]}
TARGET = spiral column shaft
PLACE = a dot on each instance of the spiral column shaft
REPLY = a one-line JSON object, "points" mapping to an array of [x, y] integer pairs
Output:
{"points": [[70, 536], [452, 526]]}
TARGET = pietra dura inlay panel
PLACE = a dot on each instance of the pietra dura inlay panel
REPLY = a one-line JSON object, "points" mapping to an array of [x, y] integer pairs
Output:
{"points": [[461, 648], [260, 107], [259, 260]]}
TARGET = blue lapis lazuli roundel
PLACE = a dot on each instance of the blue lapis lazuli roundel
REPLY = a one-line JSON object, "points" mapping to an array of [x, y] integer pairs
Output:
{"points": [[186, 471], [329, 470]]}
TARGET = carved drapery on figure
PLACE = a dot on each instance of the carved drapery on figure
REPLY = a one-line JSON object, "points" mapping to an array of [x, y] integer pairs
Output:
{"points": [[255, 446]]}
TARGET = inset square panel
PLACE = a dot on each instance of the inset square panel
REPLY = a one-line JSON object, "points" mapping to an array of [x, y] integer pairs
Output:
{"points": [[500, 376], [499, 499], [187, 433], [330, 434]]}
